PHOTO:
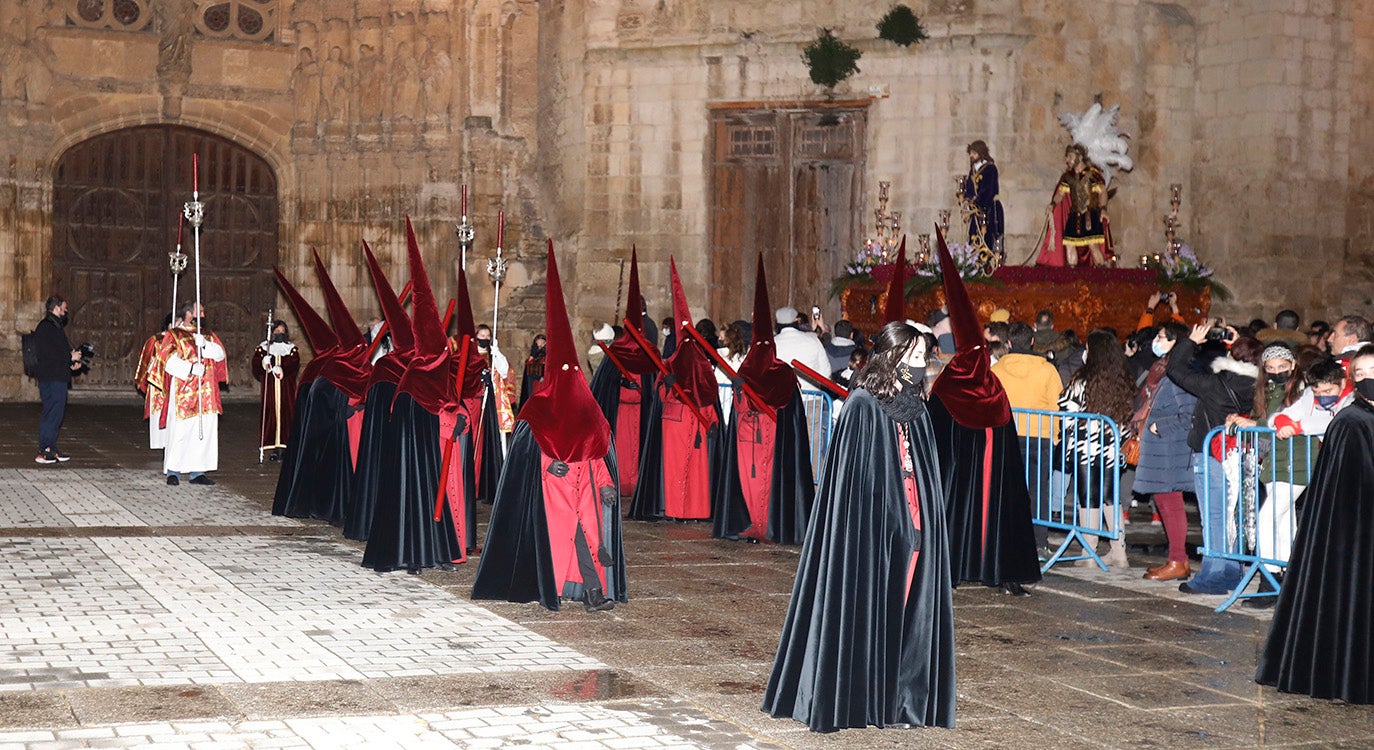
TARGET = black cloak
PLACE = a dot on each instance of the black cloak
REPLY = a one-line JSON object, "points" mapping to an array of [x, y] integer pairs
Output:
{"points": [[492, 454], [317, 483], [648, 502], [516, 564], [792, 488], [863, 643], [1321, 642], [286, 499], [404, 534], [357, 519], [1007, 553], [605, 385]]}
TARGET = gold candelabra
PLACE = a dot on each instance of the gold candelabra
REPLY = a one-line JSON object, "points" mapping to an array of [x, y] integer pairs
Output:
{"points": [[887, 227], [1172, 244]]}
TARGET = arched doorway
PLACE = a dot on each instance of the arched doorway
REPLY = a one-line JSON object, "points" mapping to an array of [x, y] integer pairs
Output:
{"points": [[116, 199]]}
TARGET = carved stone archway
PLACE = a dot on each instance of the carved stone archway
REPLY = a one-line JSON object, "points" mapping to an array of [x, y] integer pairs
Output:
{"points": [[116, 201]]}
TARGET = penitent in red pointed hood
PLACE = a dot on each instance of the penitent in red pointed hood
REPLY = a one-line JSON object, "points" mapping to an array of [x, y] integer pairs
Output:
{"points": [[967, 387], [773, 379], [429, 375], [689, 363], [626, 351], [566, 420], [402, 335], [894, 308], [344, 325], [317, 331]]}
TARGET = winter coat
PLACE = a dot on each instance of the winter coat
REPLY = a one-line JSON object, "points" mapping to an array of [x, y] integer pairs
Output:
{"points": [[1165, 458], [1031, 382], [1308, 418], [1226, 387], [54, 351]]}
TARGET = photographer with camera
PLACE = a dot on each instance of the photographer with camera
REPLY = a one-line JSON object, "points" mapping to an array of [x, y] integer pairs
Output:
{"points": [[55, 361]]}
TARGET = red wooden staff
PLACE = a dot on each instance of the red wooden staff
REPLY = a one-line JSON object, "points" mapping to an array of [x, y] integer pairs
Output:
{"points": [[624, 371], [729, 371], [449, 441], [834, 388], [663, 370]]}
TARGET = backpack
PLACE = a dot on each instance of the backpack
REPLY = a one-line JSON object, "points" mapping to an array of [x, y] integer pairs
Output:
{"points": [[28, 343]]}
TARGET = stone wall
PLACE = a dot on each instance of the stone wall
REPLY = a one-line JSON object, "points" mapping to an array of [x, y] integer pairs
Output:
{"points": [[367, 111]]}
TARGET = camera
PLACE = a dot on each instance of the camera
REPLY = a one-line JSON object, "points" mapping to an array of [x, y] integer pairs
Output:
{"points": [[87, 352], [1217, 333]]}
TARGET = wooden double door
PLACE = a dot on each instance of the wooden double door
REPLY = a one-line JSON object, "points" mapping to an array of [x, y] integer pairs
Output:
{"points": [[116, 201], [786, 183]]}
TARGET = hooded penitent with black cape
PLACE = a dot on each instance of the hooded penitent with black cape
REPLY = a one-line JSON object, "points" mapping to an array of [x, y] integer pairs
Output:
{"points": [[869, 635], [555, 525], [316, 478], [622, 386], [381, 391], [765, 488], [471, 419], [682, 442], [989, 516], [405, 534], [1321, 642]]}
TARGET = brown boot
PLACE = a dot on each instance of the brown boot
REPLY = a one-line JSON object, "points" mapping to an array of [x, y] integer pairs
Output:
{"points": [[1170, 571]]}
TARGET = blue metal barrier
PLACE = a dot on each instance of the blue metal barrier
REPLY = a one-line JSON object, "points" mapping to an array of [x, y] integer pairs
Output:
{"points": [[1078, 452], [1260, 478], [820, 421]]}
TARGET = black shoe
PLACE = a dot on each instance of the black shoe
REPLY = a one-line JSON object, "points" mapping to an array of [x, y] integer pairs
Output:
{"points": [[173, 480], [59, 455], [45, 457], [595, 601], [202, 479], [1260, 602], [1011, 588]]}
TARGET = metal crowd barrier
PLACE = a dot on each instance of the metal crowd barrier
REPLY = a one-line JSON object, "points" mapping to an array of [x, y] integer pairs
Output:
{"points": [[820, 421], [1072, 457], [1256, 501]]}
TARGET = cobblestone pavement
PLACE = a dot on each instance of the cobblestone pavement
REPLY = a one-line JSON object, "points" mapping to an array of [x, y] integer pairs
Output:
{"points": [[133, 614]]}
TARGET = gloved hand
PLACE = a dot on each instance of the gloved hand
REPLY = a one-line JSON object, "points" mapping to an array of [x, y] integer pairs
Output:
{"points": [[199, 339], [267, 363], [197, 369], [276, 372]]}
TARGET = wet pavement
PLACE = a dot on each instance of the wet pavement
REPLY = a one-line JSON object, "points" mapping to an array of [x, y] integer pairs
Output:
{"points": [[133, 614]]}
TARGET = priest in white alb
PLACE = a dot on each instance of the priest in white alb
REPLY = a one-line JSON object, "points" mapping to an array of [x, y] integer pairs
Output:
{"points": [[195, 362]]}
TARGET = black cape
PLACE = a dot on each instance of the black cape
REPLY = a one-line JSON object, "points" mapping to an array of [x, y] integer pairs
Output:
{"points": [[605, 385], [516, 565], [493, 456], [404, 534], [357, 517], [857, 649], [648, 502], [1321, 642], [792, 488], [317, 478], [1009, 555]]}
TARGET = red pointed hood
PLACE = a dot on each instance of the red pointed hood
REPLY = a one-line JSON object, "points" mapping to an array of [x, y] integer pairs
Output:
{"points": [[967, 387], [773, 379], [626, 351], [317, 331], [564, 417], [429, 376], [464, 326], [894, 308], [465, 323], [689, 363], [344, 325], [398, 323]]}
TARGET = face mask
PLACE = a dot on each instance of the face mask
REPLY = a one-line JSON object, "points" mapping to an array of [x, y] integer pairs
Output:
{"points": [[1159, 349], [279, 338], [1326, 402], [538, 351], [908, 376], [1365, 388], [1279, 378], [483, 343], [63, 319]]}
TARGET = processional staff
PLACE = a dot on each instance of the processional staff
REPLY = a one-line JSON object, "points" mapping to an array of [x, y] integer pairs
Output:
{"points": [[496, 269], [194, 211]]}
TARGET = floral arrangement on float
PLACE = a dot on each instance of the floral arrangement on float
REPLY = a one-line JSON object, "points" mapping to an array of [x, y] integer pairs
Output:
{"points": [[1182, 267]]}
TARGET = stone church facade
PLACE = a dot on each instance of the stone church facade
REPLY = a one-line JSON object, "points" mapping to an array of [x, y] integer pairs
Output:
{"points": [[680, 127]]}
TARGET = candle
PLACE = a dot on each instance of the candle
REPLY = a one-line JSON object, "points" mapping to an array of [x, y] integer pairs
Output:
{"points": [[500, 229], [195, 173], [465, 202]]}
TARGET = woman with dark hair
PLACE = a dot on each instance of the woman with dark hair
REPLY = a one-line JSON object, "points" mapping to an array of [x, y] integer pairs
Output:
{"points": [[1103, 385], [735, 344], [869, 634], [1224, 386], [1164, 471], [1319, 642], [533, 373], [707, 328]]}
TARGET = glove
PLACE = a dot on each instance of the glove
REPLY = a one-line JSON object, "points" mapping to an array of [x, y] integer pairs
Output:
{"points": [[267, 364], [197, 369], [609, 495], [199, 339], [558, 469], [276, 372]]}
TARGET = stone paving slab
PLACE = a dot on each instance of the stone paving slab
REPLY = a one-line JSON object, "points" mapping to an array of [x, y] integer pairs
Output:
{"points": [[39, 498], [206, 610], [556, 726]]}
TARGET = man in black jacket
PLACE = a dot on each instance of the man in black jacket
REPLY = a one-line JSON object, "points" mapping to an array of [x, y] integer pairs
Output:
{"points": [[56, 361]]}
